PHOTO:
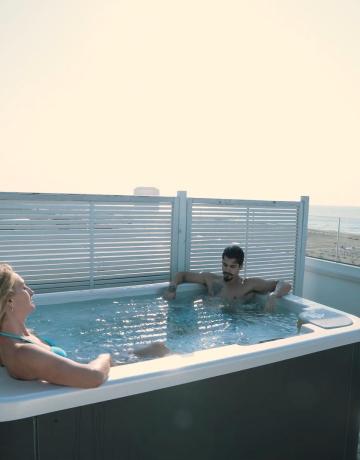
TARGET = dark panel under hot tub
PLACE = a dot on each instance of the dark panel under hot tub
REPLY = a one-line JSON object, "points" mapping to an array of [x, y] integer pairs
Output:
{"points": [[17, 439], [302, 408]]}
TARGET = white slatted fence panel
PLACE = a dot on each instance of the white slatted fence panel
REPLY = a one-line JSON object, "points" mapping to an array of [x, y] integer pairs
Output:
{"points": [[66, 242], [47, 242], [132, 240], [267, 231], [62, 242]]}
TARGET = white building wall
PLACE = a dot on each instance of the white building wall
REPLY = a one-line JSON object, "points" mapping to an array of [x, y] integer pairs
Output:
{"points": [[333, 284]]}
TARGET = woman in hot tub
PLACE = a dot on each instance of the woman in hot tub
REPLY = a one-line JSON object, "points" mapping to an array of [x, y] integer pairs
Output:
{"points": [[27, 357]]}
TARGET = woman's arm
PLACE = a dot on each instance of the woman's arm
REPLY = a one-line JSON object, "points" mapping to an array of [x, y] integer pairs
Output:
{"points": [[30, 362]]}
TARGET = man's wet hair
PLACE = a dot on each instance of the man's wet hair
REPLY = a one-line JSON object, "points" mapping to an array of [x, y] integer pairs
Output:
{"points": [[234, 252]]}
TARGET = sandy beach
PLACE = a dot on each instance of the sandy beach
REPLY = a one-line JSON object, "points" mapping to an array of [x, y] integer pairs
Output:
{"points": [[324, 245]]}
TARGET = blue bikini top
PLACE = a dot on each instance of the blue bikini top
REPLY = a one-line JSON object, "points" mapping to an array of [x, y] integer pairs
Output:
{"points": [[57, 350]]}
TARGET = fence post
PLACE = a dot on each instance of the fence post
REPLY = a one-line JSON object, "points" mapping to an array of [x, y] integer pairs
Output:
{"points": [[174, 236], [178, 246], [246, 241], [301, 245], [189, 204], [338, 238], [91, 243]]}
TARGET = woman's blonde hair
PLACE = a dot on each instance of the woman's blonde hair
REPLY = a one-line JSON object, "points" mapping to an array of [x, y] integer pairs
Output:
{"points": [[7, 281]]}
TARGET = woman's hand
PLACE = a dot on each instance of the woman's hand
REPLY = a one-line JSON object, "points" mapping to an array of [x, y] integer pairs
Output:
{"points": [[102, 365]]}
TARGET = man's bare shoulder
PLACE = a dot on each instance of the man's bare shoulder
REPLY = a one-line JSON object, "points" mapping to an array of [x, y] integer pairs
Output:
{"points": [[211, 276], [252, 281], [214, 283], [197, 277]]}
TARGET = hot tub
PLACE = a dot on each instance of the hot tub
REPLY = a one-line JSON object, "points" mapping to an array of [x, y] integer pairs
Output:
{"points": [[292, 398]]}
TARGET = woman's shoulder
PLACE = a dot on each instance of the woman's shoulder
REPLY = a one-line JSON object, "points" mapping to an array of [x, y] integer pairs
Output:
{"points": [[22, 352], [13, 357], [23, 360]]}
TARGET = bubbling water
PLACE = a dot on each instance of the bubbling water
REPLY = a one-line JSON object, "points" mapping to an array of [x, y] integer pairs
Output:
{"points": [[185, 325]]}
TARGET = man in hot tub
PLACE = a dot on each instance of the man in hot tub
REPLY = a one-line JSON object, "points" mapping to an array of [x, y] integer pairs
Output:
{"points": [[231, 286]]}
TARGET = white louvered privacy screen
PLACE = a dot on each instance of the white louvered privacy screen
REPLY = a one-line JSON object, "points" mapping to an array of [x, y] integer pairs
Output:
{"points": [[272, 234], [65, 242]]}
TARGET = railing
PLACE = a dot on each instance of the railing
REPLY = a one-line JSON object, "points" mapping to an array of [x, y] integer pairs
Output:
{"points": [[64, 242], [333, 238]]}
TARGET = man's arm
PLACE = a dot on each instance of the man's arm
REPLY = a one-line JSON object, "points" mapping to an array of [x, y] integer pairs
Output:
{"points": [[187, 277], [276, 289]]}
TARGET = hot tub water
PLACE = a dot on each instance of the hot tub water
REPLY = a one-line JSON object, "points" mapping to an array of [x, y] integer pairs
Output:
{"points": [[188, 324]]}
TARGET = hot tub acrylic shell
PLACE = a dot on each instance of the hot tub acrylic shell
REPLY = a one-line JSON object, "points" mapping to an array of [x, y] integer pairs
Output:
{"points": [[292, 398]]}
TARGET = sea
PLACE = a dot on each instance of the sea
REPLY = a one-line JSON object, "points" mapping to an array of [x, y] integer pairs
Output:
{"points": [[330, 217]]}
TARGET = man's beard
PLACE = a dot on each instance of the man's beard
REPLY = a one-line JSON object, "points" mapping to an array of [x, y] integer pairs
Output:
{"points": [[227, 277]]}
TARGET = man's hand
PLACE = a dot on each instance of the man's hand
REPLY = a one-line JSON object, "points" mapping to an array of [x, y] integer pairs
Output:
{"points": [[270, 303], [282, 288]]}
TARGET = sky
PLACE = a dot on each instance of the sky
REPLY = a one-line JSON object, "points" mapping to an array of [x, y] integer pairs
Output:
{"points": [[256, 99]]}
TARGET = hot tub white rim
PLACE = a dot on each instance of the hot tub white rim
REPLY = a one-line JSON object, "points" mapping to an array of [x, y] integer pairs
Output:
{"points": [[126, 380]]}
